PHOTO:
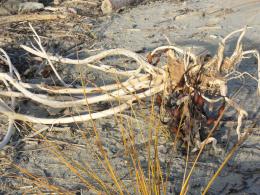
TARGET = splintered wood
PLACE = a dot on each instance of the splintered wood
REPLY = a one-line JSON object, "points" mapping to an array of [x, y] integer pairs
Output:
{"points": [[185, 84]]}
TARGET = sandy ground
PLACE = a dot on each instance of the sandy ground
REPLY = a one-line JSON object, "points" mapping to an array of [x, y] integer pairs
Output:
{"points": [[192, 24]]}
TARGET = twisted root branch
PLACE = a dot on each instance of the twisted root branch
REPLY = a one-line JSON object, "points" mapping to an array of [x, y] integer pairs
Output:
{"points": [[144, 81]]}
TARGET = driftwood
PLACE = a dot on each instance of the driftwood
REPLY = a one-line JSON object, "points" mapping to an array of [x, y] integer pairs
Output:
{"points": [[108, 6], [29, 18], [144, 81]]}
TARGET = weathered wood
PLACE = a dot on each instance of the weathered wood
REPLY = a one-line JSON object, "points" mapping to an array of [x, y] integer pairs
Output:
{"points": [[108, 6], [29, 17]]}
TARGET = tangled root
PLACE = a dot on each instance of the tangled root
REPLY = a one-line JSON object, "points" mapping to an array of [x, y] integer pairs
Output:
{"points": [[192, 82]]}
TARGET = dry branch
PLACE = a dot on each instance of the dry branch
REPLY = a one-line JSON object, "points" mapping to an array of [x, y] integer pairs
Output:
{"points": [[29, 18]]}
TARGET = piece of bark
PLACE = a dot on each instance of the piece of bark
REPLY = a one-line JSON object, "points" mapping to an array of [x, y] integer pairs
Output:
{"points": [[108, 6]]}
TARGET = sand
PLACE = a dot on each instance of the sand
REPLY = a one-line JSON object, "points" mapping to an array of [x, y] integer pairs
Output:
{"points": [[193, 24]]}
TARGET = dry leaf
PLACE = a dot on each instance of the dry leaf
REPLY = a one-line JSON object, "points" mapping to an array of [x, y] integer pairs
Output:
{"points": [[175, 67]]}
